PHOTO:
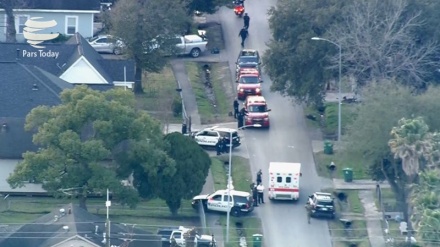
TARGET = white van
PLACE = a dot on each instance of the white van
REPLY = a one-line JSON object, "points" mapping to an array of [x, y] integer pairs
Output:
{"points": [[284, 181]]}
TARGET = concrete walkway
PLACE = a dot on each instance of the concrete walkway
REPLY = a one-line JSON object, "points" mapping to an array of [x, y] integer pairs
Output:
{"points": [[359, 184]]}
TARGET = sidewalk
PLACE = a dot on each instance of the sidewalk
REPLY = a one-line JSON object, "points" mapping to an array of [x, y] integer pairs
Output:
{"points": [[371, 214], [190, 105]]}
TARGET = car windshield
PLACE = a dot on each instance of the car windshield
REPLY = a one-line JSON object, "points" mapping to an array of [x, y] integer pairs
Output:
{"points": [[226, 134], [257, 108], [324, 203], [93, 39], [247, 60], [249, 80]]}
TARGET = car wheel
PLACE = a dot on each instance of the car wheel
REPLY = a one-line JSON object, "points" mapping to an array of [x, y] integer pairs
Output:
{"points": [[236, 212], [117, 51], [195, 52]]}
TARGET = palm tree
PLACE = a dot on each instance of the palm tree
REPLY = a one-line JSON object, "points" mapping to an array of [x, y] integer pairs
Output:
{"points": [[410, 141]]}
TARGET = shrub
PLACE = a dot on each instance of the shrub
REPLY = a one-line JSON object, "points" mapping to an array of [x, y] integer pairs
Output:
{"points": [[177, 106]]}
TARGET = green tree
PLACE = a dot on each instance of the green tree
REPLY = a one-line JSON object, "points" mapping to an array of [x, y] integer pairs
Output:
{"points": [[84, 142], [138, 23], [192, 167], [294, 62]]}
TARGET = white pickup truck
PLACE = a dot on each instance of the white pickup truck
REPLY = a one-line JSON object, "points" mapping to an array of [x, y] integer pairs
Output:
{"points": [[180, 236], [193, 45]]}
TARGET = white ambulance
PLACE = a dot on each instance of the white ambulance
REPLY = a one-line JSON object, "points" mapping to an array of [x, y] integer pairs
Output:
{"points": [[284, 181]]}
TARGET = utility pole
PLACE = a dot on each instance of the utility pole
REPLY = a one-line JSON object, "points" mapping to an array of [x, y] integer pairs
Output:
{"points": [[108, 203]]}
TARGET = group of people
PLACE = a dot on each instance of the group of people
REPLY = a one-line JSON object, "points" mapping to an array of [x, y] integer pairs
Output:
{"points": [[239, 114], [257, 190]]}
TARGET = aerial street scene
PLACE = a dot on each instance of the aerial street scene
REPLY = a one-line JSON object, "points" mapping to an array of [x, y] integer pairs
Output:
{"points": [[219, 123]]}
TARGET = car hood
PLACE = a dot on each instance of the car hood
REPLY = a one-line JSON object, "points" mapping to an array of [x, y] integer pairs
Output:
{"points": [[200, 197], [258, 114], [249, 86]]}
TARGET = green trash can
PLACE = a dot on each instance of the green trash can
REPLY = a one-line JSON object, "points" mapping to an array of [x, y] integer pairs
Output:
{"points": [[257, 239], [348, 175], [328, 147]]}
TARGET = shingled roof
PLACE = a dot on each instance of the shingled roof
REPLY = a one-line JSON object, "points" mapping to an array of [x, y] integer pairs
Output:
{"points": [[22, 88], [85, 5], [76, 223]]}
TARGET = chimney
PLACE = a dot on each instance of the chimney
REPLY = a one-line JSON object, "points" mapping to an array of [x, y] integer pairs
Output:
{"points": [[34, 87], [17, 56]]}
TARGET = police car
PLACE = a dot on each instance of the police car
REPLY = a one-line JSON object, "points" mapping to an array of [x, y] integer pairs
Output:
{"points": [[322, 204], [210, 136], [241, 202]]}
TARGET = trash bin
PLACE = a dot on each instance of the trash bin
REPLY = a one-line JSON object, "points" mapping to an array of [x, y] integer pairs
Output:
{"points": [[348, 175], [328, 147], [257, 239], [184, 129]]}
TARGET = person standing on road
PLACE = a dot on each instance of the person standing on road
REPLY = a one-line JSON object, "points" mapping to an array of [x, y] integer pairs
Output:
{"points": [[218, 147], [243, 34], [246, 20], [309, 211], [259, 174], [236, 104], [255, 195], [241, 116], [225, 143], [260, 189]]}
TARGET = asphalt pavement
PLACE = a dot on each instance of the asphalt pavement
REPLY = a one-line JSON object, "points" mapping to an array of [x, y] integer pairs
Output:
{"points": [[284, 223]]}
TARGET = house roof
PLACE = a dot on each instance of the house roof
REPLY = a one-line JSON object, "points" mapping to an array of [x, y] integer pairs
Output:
{"points": [[22, 88], [66, 55], [62, 4], [75, 222]]}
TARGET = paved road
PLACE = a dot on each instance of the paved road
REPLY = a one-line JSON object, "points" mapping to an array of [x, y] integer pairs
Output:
{"points": [[284, 223]]}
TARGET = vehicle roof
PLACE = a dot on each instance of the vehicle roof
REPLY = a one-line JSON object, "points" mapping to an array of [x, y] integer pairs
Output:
{"points": [[284, 167], [323, 196], [217, 128], [193, 37], [256, 99], [249, 75], [234, 192], [248, 52]]}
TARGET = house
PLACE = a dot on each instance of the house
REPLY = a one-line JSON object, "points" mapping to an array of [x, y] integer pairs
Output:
{"points": [[22, 88], [69, 16], [74, 226], [74, 61]]}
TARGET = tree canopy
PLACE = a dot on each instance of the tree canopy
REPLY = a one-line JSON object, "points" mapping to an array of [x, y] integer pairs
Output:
{"points": [[138, 23], [192, 167], [92, 141], [379, 40]]}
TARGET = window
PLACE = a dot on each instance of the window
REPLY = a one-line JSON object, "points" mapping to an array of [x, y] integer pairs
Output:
{"points": [[177, 235], [288, 180], [217, 198], [279, 179], [225, 198], [20, 21], [71, 25]]}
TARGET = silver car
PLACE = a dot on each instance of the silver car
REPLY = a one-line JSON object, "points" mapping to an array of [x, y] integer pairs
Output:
{"points": [[107, 44]]}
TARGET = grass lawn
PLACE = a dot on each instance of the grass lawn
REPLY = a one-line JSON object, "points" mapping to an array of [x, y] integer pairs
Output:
{"points": [[216, 108], [159, 94], [360, 170], [241, 176], [331, 117], [357, 233], [153, 212]]}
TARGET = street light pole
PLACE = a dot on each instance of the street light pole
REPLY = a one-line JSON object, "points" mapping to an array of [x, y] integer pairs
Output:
{"points": [[230, 178], [339, 84]]}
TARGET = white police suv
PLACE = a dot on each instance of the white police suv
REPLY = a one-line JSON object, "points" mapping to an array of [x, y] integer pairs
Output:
{"points": [[210, 136]]}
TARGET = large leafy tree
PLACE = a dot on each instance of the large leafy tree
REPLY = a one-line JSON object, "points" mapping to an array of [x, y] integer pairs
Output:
{"points": [[85, 141], [192, 167], [294, 62], [138, 23]]}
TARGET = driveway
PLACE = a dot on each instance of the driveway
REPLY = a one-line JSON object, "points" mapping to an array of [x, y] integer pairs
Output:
{"points": [[284, 223]]}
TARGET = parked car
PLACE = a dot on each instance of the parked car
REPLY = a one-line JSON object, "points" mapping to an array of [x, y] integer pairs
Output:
{"points": [[257, 111], [248, 84], [193, 45], [107, 44], [178, 236], [248, 58], [322, 205], [210, 136], [165, 234], [241, 202]]}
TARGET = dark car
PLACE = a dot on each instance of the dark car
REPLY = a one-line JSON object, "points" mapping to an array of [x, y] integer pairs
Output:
{"points": [[248, 58], [322, 205]]}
